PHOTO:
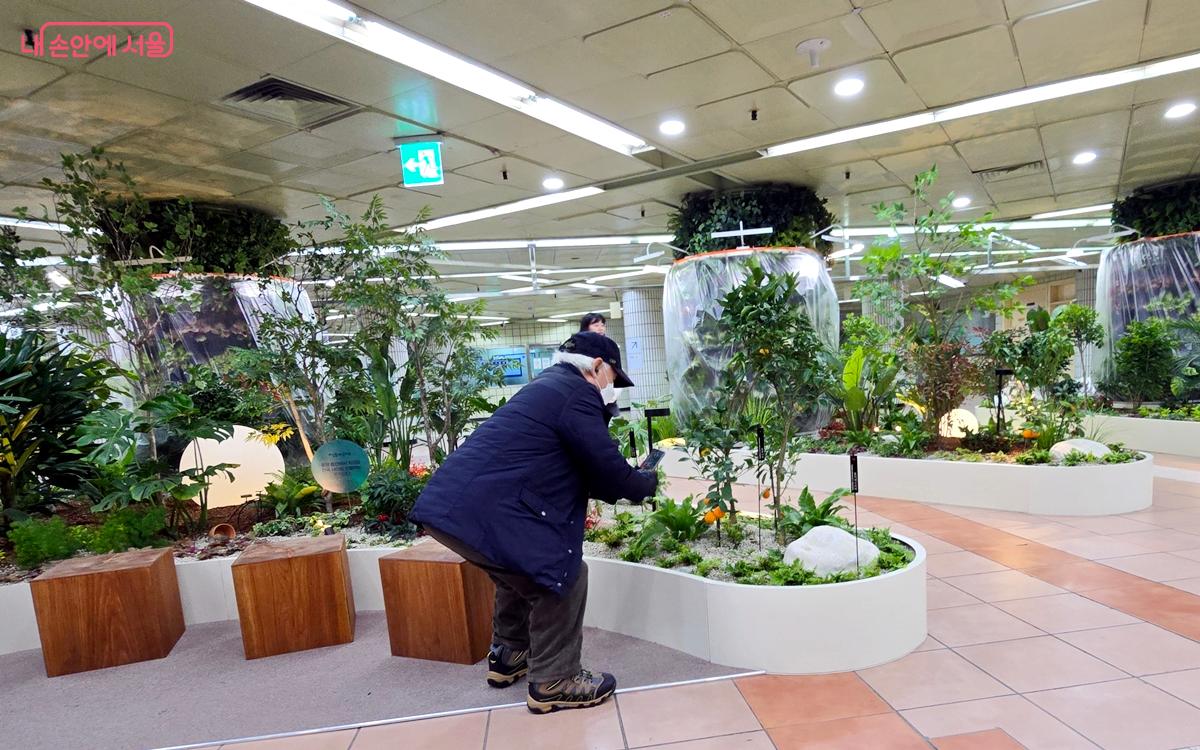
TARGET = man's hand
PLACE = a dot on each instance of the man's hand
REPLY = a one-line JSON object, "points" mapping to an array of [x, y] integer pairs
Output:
{"points": [[651, 476]]}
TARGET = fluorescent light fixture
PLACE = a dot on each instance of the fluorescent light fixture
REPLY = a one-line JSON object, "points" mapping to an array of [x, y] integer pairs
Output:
{"points": [[1018, 98], [494, 323], [1073, 211], [53, 226], [628, 274], [999, 225], [848, 86], [845, 252], [1084, 157], [393, 43], [642, 239], [961, 201], [551, 320], [1182, 109], [58, 278], [1068, 260], [576, 314], [505, 208], [950, 281], [516, 277], [588, 287], [553, 183], [649, 256], [671, 127]]}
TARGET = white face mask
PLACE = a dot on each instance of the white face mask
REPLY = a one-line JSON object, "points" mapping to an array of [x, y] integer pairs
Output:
{"points": [[608, 392]]}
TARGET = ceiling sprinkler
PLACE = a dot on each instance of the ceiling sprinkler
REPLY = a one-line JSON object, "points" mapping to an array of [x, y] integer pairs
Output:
{"points": [[813, 48]]}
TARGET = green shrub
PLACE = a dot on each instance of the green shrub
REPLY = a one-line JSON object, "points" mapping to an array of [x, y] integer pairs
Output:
{"points": [[1077, 457], [283, 526], [1035, 456], [129, 528], [682, 521], [391, 491], [1145, 361], [705, 567], [292, 493], [795, 522], [36, 541]]}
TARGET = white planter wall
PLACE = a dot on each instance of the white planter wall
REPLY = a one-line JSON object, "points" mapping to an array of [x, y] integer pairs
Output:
{"points": [[1181, 438], [1090, 490], [795, 629], [836, 627]]}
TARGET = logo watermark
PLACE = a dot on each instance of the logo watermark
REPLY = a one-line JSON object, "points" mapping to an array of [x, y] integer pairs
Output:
{"points": [[83, 39]]}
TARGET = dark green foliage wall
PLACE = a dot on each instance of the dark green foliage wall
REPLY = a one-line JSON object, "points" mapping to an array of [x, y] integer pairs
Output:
{"points": [[1162, 209], [793, 211], [236, 239]]}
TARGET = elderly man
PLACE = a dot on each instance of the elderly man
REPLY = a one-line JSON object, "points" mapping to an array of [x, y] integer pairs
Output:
{"points": [[512, 500]]}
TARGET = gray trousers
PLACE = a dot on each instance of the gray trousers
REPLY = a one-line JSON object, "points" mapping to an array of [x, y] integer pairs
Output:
{"points": [[530, 617]]}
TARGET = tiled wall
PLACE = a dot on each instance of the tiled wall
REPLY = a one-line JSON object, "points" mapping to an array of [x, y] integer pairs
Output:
{"points": [[645, 353]]}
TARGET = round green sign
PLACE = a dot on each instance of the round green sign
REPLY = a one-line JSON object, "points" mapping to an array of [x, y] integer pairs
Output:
{"points": [[340, 466]]}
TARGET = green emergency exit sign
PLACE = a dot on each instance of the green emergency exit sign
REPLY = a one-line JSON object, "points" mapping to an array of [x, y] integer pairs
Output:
{"points": [[422, 163]]}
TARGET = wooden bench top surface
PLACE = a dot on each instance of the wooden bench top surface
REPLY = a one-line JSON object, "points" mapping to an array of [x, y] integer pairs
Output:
{"points": [[427, 551], [81, 566], [267, 550]]}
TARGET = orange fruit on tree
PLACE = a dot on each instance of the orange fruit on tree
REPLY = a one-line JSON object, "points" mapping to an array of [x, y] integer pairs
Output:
{"points": [[718, 512], [767, 494], [710, 517]]}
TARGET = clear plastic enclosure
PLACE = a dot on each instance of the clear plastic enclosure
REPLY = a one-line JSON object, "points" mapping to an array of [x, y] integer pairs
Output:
{"points": [[694, 288], [1154, 277]]}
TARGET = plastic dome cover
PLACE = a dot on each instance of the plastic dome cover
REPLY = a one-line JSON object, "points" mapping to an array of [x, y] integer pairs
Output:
{"points": [[693, 290], [1135, 275]]}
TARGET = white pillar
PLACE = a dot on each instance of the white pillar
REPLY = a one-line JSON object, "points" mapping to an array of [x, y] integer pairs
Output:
{"points": [[644, 354]]}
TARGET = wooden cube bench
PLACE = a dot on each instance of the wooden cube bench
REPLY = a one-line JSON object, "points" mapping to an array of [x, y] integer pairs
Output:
{"points": [[294, 594], [439, 606], [95, 612]]}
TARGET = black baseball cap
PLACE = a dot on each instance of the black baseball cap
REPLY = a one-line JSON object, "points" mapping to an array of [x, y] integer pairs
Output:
{"points": [[591, 344]]}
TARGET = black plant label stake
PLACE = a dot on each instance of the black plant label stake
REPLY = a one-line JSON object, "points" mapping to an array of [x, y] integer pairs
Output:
{"points": [[854, 495], [760, 454]]}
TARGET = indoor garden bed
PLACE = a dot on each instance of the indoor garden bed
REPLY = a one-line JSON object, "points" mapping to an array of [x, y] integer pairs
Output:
{"points": [[1158, 431]]}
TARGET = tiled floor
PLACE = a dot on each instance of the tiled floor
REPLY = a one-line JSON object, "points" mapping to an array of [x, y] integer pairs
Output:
{"points": [[1045, 633]]}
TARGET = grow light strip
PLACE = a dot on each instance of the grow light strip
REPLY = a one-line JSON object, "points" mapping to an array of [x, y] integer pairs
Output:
{"points": [[1073, 211], [389, 41], [1018, 98]]}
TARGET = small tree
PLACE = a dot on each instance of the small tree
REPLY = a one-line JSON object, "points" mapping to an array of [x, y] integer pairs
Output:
{"points": [[1145, 361], [779, 354], [1080, 324]]}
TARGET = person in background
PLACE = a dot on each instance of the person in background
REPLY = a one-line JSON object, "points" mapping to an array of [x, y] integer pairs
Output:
{"points": [[594, 322], [512, 501]]}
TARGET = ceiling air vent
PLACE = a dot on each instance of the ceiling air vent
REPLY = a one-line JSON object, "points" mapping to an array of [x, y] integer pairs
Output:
{"points": [[283, 101], [996, 174]]}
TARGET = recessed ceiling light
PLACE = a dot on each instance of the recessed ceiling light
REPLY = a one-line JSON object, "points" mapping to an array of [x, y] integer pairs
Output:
{"points": [[848, 86], [1084, 157], [671, 127], [961, 201], [1182, 109], [552, 183]]}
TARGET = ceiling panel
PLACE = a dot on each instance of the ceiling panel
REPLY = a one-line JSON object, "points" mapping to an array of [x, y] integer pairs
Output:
{"points": [[1021, 188], [713, 78], [900, 25], [984, 63], [1082, 105], [102, 99], [1002, 149], [354, 74], [1172, 88], [394, 10], [746, 22], [37, 200], [581, 19], [509, 131], [1104, 134], [246, 35], [850, 41], [164, 146], [1086, 38], [562, 67], [908, 140], [310, 150], [884, 95], [207, 77], [370, 131], [440, 106], [1172, 27], [780, 116], [991, 123], [217, 126], [203, 183], [522, 174], [481, 30], [583, 158], [662, 40], [247, 164], [24, 74]]}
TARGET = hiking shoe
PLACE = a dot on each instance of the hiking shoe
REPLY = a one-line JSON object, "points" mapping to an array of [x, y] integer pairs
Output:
{"points": [[506, 665], [581, 691]]}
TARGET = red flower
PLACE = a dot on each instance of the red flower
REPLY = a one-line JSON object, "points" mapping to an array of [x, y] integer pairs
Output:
{"points": [[420, 471], [381, 517]]}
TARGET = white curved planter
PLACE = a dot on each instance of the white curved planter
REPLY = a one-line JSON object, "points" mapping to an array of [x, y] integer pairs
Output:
{"points": [[1090, 490], [797, 629], [1179, 437]]}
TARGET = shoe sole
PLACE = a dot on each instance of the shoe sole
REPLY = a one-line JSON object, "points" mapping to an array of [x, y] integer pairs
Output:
{"points": [[498, 680], [545, 707]]}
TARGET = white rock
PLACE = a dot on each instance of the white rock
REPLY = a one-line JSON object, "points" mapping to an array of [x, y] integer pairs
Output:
{"points": [[1083, 445], [826, 550]]}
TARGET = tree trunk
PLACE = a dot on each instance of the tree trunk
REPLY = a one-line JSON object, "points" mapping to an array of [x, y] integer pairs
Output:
{"points": [[295, 411]]}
